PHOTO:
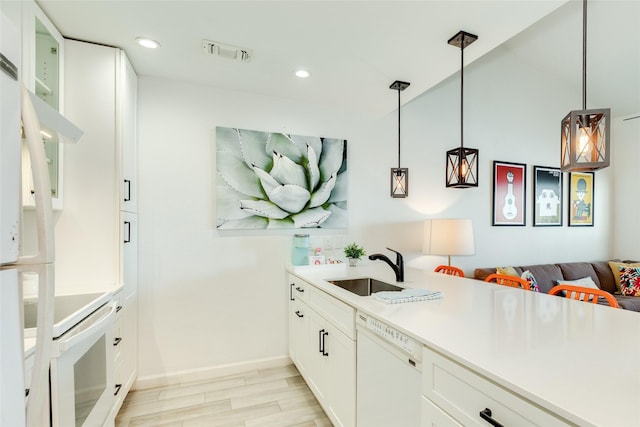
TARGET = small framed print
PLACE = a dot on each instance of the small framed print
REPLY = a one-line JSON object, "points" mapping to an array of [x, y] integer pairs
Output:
{"points": [[547, 196], [508, 193], [581, 199]]}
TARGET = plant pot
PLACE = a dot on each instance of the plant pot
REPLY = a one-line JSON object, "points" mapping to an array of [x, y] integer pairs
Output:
{"points": [[353, 262]]}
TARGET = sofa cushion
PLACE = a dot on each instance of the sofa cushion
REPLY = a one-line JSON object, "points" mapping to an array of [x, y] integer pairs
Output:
{"points": [[585, 282], [630, 282], [605, 276], [545, 274], [615, 270], [628, 303], [508, 271], [579, 270], [533, 283]]}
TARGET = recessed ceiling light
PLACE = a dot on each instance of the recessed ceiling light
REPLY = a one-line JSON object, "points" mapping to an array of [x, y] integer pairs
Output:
{"points": [[148, 43], [302, 74]]}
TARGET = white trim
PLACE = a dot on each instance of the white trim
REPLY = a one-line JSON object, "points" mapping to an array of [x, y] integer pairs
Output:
{"points": [[177, 377]]}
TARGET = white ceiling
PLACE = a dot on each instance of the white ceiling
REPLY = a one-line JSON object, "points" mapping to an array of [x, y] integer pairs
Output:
{"points": [[356, 49], [554, 48], [353, 49]]}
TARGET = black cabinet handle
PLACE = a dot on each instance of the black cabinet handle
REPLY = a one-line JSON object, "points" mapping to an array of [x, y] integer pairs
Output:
{"points": [[127, 198], [291, 298], [324, 334], [321, 341], [26, 392], [300, 315], [128, 238], [118, 387], [117, 341], [118, 308], [299, 289], [486, 415]]}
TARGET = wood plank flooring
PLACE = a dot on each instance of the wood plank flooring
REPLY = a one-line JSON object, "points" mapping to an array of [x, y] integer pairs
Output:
{"points": [[267, 397]]}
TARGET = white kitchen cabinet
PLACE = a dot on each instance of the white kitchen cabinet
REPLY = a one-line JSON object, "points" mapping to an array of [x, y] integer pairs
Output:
{"points": [[298, 324], [128, 148], [298, 330], [124, 348], [43, 74], [456, 394], [322, 344], [331, 369], [432, 416], [129, 261], [100, 209]]}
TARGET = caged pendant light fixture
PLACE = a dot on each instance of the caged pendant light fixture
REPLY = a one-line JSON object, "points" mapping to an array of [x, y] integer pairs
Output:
{"points": [[462, 163], [584, 142], [399, 176]]}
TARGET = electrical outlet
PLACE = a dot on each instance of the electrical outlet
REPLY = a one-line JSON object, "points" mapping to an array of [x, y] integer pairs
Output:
{"points": [[327, 242]]}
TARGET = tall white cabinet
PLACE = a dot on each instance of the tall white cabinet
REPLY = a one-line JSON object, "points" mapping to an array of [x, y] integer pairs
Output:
{"points": [[98, 227]]}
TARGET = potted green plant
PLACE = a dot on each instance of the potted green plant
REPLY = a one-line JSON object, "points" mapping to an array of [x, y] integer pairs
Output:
{"points": [[354, 252]]}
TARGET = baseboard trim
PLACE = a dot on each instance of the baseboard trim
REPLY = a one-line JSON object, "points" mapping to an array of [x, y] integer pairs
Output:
{"points": [[177, 377]]}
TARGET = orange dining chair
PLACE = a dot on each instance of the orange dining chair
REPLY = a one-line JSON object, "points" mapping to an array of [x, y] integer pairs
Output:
{"points": [[506, 280], [450, 270], [584, 294]]}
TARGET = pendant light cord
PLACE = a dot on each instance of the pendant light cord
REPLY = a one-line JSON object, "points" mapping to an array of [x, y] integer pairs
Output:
{"points": [[398, 128], [584, 54], [462, 92]]}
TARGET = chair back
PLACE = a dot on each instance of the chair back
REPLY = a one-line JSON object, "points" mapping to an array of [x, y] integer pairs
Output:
{"points": [[584, 294], [449, 269], [506, 280]]}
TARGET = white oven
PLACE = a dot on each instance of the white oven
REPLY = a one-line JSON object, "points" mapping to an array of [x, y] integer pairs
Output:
{"points": [[82, 389]]}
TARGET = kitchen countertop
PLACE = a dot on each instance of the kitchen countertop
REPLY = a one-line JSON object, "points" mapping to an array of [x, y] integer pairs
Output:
{"points": [[578, 360]]}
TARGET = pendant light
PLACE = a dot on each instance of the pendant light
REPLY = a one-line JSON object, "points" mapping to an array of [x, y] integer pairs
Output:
{"points": [[584, 143], [462, 163], [399, 176]]}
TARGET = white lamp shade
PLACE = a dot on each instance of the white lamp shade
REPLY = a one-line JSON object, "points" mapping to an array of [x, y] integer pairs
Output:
{"points": [[448, 237]]}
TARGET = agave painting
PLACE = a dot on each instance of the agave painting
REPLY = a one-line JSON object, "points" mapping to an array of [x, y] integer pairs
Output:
{"points": [[276, 180]]}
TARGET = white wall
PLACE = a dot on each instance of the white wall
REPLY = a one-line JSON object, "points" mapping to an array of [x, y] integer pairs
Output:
{"points": [[625, 150], [209, 299]]}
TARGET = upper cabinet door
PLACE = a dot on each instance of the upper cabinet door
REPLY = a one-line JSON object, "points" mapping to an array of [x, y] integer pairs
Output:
{"points": [[42, 73], [127, 115]]}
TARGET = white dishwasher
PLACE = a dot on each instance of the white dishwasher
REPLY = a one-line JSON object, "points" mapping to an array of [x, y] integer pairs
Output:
{"points": [[388, 375]]}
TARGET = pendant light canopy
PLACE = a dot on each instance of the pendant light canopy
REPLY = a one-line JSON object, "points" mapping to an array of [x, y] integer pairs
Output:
{"points": [[462, 163], [585, 133], [399, 176]]}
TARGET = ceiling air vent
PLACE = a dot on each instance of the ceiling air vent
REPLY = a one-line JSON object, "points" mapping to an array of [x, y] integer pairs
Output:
{"points": [[226, 51]]}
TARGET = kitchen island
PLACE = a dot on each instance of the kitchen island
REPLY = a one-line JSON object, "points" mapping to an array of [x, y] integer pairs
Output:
{"points": [[570, 360]]}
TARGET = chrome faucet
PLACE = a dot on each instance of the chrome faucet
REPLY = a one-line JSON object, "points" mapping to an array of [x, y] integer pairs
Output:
{"points": [[398, 267]]}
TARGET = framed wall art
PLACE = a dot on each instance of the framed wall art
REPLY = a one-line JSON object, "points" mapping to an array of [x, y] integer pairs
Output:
{"points": [[547, 196], [581, 199], [271, 180], [508, 193]]}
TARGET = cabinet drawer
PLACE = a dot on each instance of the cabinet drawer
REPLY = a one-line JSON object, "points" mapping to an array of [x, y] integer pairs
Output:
{"points": [[335, 311], [298, 288], [462, 394], [432, 416]]}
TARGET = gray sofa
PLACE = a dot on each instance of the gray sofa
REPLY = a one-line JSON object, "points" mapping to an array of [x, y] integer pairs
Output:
{"points": [[547, 276]]}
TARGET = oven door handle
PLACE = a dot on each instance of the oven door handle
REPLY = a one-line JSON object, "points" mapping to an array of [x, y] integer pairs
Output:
{"points": [[70, 342]]}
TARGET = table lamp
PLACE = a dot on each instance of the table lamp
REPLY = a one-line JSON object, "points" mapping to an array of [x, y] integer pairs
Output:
{"points": [[448, 237]]}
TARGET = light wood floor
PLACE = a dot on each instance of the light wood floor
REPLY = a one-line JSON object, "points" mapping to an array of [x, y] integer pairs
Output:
{"points": [[268, 397]]}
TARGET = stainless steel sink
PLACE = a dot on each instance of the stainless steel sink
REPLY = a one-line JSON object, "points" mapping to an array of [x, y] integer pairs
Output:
{"points": [[365, 286]]}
